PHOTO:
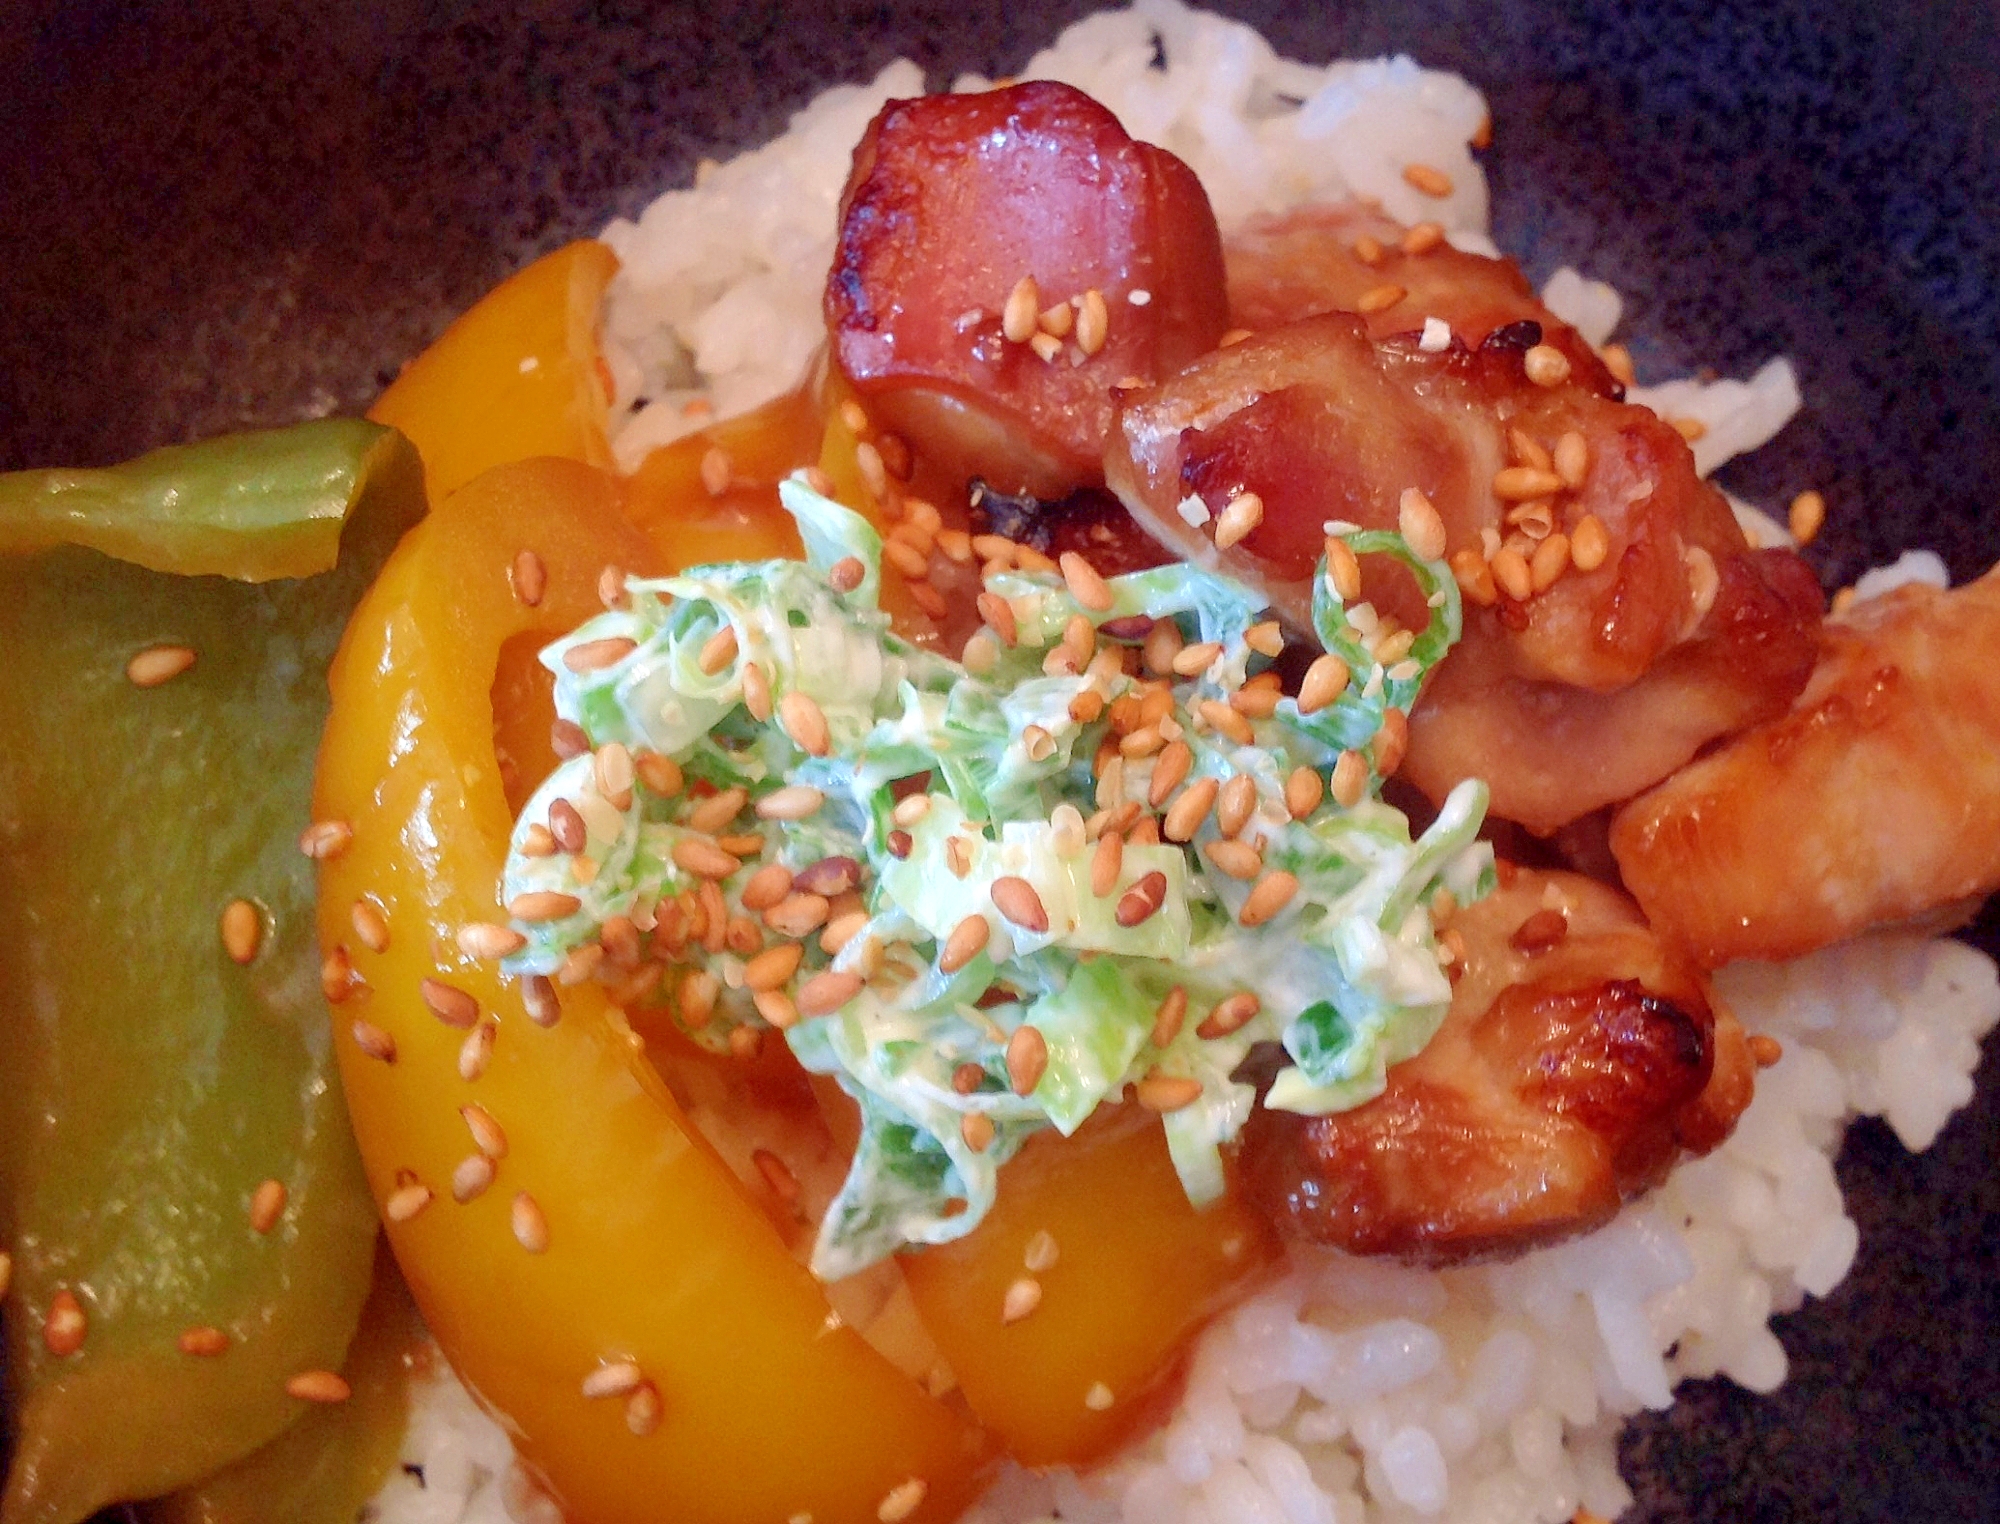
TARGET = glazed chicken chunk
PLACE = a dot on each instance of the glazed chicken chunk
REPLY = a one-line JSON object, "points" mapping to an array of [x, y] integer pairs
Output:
{"points": [[1616, 618], [1005, 259], [1875, 799], [1581, 1057]]}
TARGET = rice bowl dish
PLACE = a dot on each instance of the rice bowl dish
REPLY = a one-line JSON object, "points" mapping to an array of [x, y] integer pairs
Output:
{"points": [[1345, 1388]]}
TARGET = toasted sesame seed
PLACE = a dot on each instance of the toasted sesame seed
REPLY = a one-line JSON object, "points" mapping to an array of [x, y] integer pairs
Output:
{"points": [[1020, 315], [1369, 250], [1041, 1252], [1016, 899], [1427, 178], [643, 1410], [611, 589], [1690, 429], [566, 739], [158, 664], [703, 858], [1058, 319], [1170, 769], [1234, 804], [1422, 238], [660, 773], [1325, 680], [487, 1135], [1093, 322], [370, 925], [1185, 815], [805, 723], [1572, 459], [1343, 570], [469, 1180], [242, 928], [1550, 561], [65, 1327], [830, 876], [1255, 701], [776, 1007], [596, 655], [202, 1341], [766, 887], [1231, 1014], [1244, 512], [1807, 515], [1379, 299], [616, 1378], [772, 967], [716, 811], [1106, 859], [1270, 895], [1166, 1092], [1391, 743], [1085, 585], [1350, 779], [1099, 1398], [1167, 1018], [695, 999], [1303, 792], [374, 1042], [716, 470], [1027, 1057], [1519, 484], [1238, 859], [1539, 932], [324, 840], [1764, 1050], [1474, 576], [1419, 524], [906, 558], [530, 1224], [476, 1052], [977, 1129], [756, 692], [1226, 721], [540, 905], [1192, 661], [1511, 571], [267, 1205], [718, 651], [1047, 346], [409, 1198], [967, 941], [538, 998], [901, 1501], [795, 801], [1545, 365], [1139, 903], [829, 990], [528, 577], [846, 574], [318, 1386], [798, 915], [1022, 1298]]}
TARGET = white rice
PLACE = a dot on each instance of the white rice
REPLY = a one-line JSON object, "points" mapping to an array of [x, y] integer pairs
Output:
{"points": [[1353, 1390]]}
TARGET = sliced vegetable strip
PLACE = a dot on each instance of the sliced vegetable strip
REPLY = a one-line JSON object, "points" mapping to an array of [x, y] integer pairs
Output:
{"points": [[174, 1146], [609, 1245]]}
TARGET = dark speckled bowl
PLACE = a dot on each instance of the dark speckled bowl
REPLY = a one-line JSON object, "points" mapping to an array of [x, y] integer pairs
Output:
{"points": [[247, 213]]}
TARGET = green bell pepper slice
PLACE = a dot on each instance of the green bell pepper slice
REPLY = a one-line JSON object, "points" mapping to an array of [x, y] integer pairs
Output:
{"points": [[148, 1082]]}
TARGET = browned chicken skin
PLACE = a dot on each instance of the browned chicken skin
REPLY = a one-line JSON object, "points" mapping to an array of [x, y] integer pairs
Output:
{"points": [[1346, 258], [953, 199], [1575, 1066], [1576, 696], [1875, 799]]}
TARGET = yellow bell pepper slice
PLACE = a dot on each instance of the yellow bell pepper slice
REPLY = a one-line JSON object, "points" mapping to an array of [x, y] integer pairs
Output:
{"points": [[519, 374], [1135, 1272], [610, 1238]]}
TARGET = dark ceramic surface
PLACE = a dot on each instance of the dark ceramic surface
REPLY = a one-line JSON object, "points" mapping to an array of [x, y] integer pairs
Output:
{"points": [[231, 214]]}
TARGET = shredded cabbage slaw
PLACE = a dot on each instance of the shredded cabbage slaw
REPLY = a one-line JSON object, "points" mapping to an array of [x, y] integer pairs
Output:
{"points": [[1011, 761]]}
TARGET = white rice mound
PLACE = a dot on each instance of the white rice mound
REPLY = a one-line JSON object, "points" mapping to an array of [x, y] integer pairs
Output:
{"points": [[1353, 1391]]}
